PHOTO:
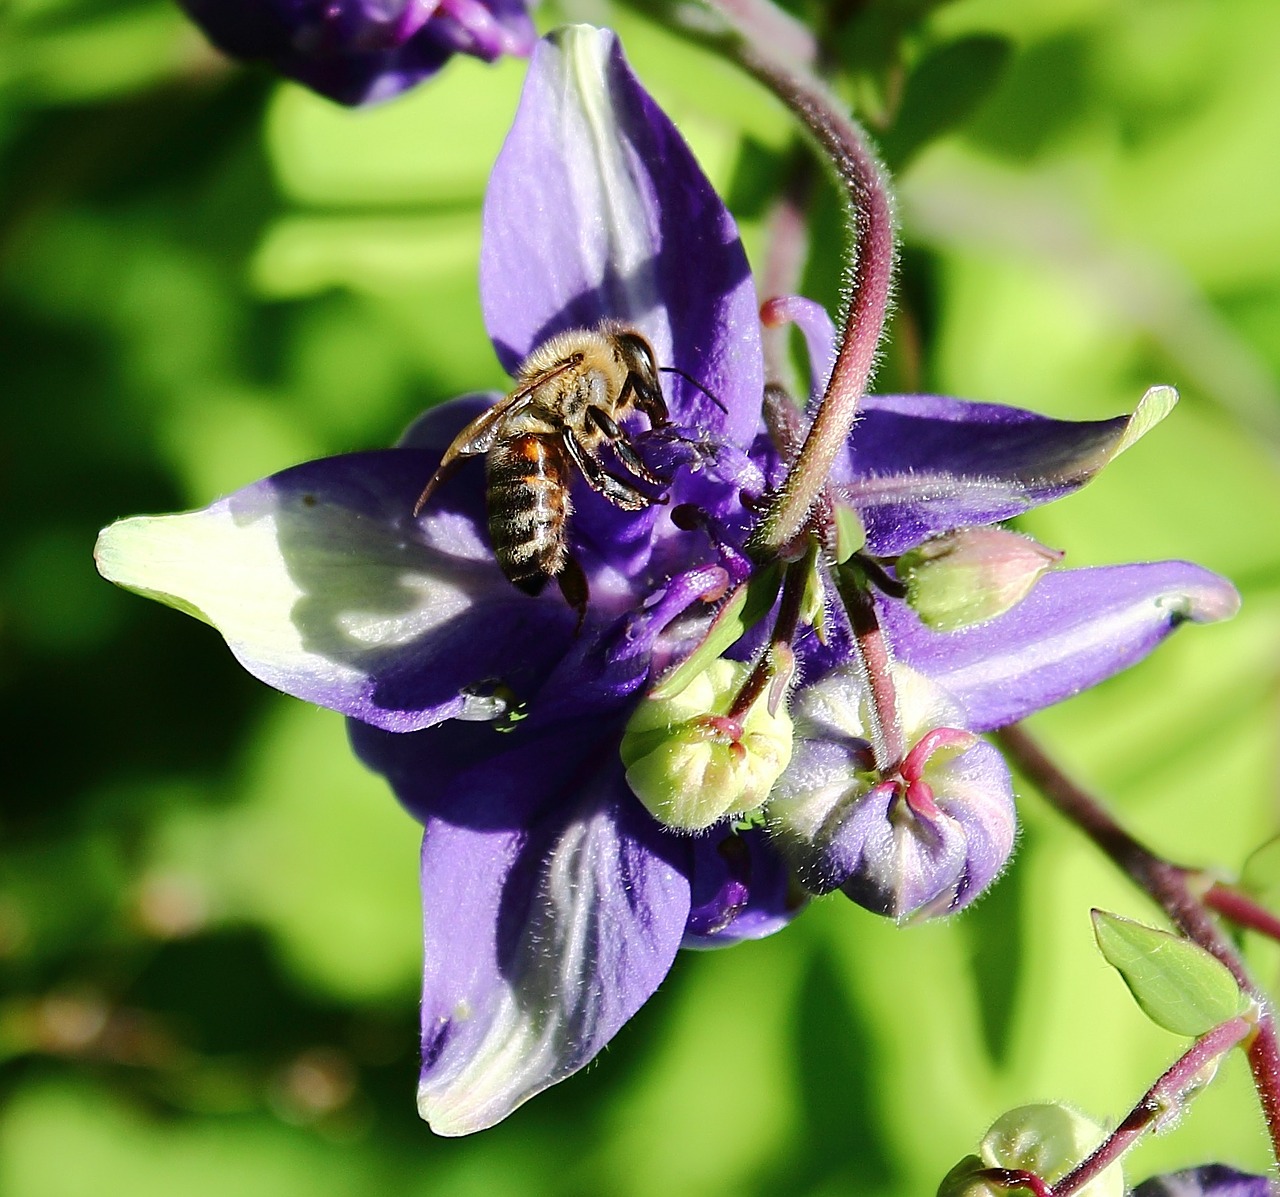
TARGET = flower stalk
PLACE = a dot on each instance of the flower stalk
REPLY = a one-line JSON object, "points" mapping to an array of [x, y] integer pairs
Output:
{"points": [[846, 149], [1242, 910], [1171, 887], [1162, 1101], [876, 661]]}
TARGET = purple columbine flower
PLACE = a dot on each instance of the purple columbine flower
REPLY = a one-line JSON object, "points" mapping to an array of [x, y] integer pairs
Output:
{"points": [[361, 51], [554, 902]]}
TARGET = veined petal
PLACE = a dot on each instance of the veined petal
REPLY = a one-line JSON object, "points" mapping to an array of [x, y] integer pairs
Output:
{"points": [[324, 586], [541, 938], [597, 209], [920, 465], [1076, 628]]}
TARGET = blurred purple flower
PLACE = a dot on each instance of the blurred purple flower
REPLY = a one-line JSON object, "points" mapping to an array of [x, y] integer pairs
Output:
{"points": [[1209, 1180], [360, 51], [554, 903]]}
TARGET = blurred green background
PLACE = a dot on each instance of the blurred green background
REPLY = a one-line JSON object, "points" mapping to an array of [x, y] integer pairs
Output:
{"points": [[208, 912]]}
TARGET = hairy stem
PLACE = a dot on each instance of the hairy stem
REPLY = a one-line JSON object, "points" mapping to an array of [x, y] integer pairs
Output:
{"points": [[846, 149], [876, 659], [1170, 886], [1164, 1099]]}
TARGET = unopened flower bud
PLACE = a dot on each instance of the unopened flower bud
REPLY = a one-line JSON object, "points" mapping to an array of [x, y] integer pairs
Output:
{"points": [[972, 575], [1050, 1140], [923, 840], [692, 766]]}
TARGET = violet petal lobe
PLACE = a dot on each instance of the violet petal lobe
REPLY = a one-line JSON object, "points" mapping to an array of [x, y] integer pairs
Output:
{"points": [[920, 465], [741, 889], [1075, 628], [1209, 1180], [326, 587], [553, 907], [362, 51], [597, 209]]}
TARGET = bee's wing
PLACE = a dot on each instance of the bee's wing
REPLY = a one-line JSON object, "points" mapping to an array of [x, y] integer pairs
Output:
{"points": [[479, 436], [476, 438]]}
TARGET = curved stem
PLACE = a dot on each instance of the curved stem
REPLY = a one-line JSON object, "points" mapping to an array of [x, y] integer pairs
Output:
{"points": [[1170, 886], [846, 149]]}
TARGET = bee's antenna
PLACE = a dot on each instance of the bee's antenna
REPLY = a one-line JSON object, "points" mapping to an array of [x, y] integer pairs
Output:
{"points": [[694, 382]]}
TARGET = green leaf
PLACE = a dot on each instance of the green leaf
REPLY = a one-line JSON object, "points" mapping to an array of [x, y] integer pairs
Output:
{"points": [[1179, 985]]}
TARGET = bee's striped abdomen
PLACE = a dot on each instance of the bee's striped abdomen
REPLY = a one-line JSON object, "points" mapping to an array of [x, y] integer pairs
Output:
{"points": [[528, 485]]}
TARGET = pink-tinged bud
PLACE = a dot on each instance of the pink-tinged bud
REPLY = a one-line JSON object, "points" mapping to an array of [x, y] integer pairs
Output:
{"points": [[971, 575], [923, 840]]}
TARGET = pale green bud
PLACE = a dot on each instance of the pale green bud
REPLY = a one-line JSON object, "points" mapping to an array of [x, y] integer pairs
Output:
{"points": [[1049, 1140], [690, 766], [971, 575]]}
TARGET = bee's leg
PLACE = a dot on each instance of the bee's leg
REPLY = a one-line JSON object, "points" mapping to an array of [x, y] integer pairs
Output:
{"points": [[619, 493], [443, 471], [573, 585], [621, 445], [648, 399]]}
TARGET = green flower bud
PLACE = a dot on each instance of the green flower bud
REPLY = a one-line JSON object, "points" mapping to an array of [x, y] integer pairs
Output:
{"points": [[1049, 1140], [972, 575], [690, 765]]}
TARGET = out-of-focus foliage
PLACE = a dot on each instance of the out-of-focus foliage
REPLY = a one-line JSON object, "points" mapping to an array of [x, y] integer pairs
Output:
{"points": [[208, 913]]}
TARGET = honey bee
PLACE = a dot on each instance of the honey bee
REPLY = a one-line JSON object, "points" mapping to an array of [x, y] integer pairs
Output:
{"points": [[571, 394]]}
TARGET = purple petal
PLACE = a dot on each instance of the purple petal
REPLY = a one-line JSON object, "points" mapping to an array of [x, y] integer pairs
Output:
{"points": [[596, 208], [553, 907], [325, 587], [1076, 628], [742, 889], [1209, 1180], [360, 51], [894, 868], [919, 465]]}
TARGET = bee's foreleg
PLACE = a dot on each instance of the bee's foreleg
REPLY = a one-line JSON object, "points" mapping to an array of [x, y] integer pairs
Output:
{"points": [[621, 445]]}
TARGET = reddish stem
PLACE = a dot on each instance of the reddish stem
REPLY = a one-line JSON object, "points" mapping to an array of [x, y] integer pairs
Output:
{"points": [[846, 150], [1165, 1097], [784, 630], [1241, 910], [1169, 885], [876, 659]]}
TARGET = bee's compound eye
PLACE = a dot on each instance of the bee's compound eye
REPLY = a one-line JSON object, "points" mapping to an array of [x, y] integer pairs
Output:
{"points": [[641, 354]]}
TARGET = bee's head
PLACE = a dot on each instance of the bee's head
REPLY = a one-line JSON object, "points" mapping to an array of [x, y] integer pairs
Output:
{"points": [[642, 367]]}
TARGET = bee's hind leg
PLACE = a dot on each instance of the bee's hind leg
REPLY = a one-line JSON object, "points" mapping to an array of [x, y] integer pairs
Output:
{"points": [[573, 585]]}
